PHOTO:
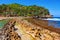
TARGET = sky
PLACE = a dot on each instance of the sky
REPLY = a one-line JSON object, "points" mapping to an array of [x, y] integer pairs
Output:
{"points": [[52, 5]]}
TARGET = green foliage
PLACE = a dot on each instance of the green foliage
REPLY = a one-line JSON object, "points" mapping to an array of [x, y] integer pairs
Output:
{"points": [[21, 10]]}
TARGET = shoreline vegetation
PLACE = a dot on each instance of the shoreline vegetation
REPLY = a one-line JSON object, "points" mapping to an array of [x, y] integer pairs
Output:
{"points": [[16, 10]]}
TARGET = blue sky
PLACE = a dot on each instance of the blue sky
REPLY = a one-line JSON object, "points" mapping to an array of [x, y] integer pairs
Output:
{"points": [[52, 5]]}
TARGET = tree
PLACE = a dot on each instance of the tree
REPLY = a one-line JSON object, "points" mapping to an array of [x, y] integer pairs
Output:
{"points": [[21, 10]]}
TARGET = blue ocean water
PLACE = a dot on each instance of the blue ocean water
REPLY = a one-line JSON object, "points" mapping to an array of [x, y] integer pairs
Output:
{"points": [[55, 22]]}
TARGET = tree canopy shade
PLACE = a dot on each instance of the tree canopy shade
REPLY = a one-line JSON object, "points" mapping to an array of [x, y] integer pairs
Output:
{"points": [[21, 10]]}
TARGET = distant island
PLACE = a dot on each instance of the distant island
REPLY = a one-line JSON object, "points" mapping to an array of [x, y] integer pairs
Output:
{"points": [[16, 10]]}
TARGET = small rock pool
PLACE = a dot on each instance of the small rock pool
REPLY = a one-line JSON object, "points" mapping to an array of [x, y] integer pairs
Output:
{"points": [[3, 22]]}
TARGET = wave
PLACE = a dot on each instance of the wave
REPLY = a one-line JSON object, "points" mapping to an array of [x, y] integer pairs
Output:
{"points": [[53, 19]]}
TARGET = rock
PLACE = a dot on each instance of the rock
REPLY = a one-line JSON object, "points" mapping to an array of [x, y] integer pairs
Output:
{"points": [[18, 29], [9, 32]]}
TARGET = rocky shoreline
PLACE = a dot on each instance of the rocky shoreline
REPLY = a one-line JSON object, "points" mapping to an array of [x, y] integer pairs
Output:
{"points": [[20, 29]]}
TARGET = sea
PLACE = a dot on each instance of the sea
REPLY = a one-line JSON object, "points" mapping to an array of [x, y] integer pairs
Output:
{"points": [[55, 22]]}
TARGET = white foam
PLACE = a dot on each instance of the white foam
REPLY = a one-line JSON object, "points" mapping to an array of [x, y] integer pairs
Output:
{"points": [[54, 19]]}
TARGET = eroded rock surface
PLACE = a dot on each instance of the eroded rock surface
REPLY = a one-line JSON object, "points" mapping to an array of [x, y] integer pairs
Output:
{"points": [[18, 29], [37, 32], [8, 32]]}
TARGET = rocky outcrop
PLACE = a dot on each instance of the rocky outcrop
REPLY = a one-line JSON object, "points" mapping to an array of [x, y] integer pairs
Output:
{"points": [[20, 29], [8, 32], [37, 32]]}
